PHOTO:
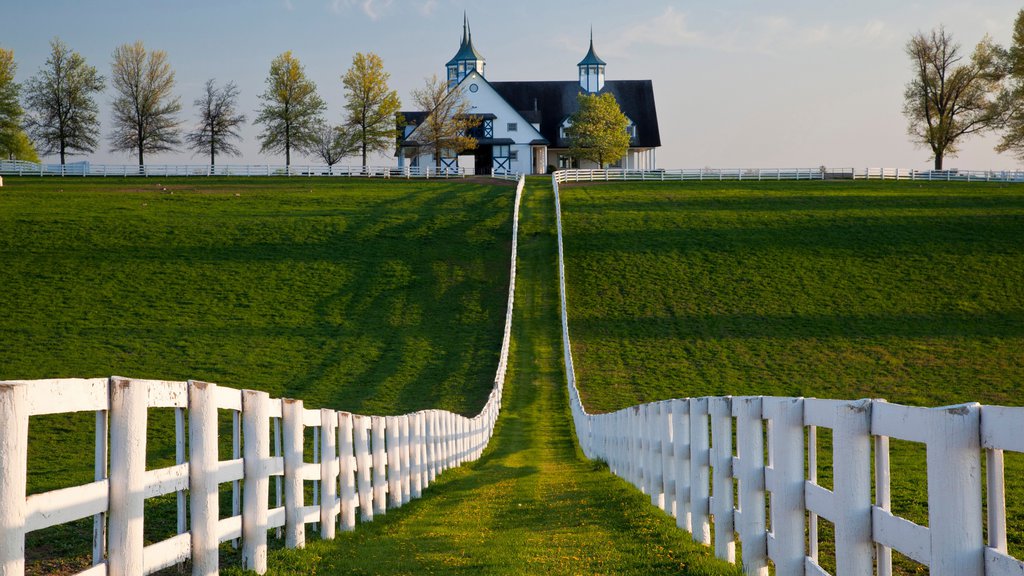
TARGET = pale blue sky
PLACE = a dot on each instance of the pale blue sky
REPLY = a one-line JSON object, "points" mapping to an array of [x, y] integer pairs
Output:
{"points": [[794, 83]]}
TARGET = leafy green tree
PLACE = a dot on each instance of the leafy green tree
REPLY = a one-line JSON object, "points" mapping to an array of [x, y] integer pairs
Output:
{"points": [[446, 127], [64, 117], [291, 109], [598, 130], [144, 109], [10, 108], [218, 121], [371, 106], [949, 99], [1011, 98], [21, 149]]}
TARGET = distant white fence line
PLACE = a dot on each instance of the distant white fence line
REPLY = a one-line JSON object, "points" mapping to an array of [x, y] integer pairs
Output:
{"points": [[369, 463], [680, 452], [22, 168], [821, 173]]}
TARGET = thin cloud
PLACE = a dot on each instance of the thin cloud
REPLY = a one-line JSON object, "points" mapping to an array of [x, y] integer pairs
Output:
{"points": [[373, 9]]}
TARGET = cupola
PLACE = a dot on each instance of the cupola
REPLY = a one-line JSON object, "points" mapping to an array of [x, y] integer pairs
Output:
{"points": [[591, 70], [466, 60]]}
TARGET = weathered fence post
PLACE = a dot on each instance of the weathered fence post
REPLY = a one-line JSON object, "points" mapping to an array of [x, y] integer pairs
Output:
{"points": [[851, 449], [204, 507], [256, 454], [785, 481], [750, 450], [954, 491], [294, 497], [347, 470], [128, 416], [700, 462], [720, 408], [328, 472], [13, 476]]}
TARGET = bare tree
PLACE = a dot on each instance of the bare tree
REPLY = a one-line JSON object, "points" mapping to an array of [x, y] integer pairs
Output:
{"points": [[948, 99], [448, 122], [291, 109], [65, 118], [218, 122], [332, 143], [144, 108]]}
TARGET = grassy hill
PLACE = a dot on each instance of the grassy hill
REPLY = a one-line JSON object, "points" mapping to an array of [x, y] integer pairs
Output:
{"points": [[906, 291]]}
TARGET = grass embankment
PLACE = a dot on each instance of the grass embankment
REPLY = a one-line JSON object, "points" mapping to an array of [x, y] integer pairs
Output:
{"points": [[364, 295], [530, 505], [899, 290]]}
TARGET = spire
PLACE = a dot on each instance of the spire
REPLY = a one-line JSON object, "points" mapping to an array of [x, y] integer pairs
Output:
{"points": [[591, 69], [467, 59]]}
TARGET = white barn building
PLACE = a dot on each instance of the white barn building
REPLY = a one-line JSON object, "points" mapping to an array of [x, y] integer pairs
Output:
{"points": [[523, 123]]}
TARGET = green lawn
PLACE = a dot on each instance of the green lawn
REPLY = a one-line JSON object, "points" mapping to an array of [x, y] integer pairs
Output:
{"points": [[531, 504], [363, 295], [906, 291]]}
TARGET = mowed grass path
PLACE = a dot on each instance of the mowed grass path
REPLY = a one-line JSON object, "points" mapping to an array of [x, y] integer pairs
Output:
{"points": [[531, 504]]}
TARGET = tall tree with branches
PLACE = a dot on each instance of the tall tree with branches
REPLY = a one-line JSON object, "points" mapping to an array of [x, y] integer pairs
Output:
{"points": [[1011, 98], [145, 110], [291, 109], [332, 143], [949, 99], [218, 121], [370, 105], [64, 118], [448, 122], [597, 129], [10, 106]]}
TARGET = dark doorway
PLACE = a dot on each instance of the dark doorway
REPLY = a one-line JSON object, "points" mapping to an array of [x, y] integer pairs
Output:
{"points": [[483, 157]]}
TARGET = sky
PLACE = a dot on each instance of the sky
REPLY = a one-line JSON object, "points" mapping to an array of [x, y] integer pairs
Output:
{"points": [[788, 83]]}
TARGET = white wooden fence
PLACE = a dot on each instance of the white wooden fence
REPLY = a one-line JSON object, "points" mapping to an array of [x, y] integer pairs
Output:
{"points": [[369, 463], [821, 173], [22, 168], [681, 453]]}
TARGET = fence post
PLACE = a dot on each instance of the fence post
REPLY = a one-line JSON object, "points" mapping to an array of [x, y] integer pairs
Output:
{"points": [[417, 448], [347, 469], [380, 486], [786, 482], [328, 473], [750, 451], [360, 428], [403, 446], [13, 476], [681, 462], [851, 449], [954, 491], [256, 454], [204, 508], [294, 496], [700, 462], [720, 408], [667, 434], [128, 416], [430, 433], [394, 470], [99, 521]]}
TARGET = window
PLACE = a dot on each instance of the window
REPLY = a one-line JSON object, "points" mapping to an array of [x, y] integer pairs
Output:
{"points": [[501, 151], [513, 155], [513, 127]]}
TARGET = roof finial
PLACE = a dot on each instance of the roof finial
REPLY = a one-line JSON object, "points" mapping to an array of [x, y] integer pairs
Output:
{"points": [[465, 27]]}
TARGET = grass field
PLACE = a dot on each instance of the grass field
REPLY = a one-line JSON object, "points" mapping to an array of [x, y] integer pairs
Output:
{"points": [[369, 296], [899, 290]]}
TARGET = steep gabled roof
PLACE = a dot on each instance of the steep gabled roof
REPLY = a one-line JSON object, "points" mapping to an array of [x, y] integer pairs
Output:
{"points": [[555, 100]]}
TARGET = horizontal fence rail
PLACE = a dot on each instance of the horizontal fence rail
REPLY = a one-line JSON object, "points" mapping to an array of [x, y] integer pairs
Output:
{"points": [[22, 168], [368, 464], [681, 453], [821, 173]]}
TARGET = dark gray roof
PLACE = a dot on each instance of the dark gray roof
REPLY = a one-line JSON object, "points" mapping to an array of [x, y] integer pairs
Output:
{"points": [[555, 100]]}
